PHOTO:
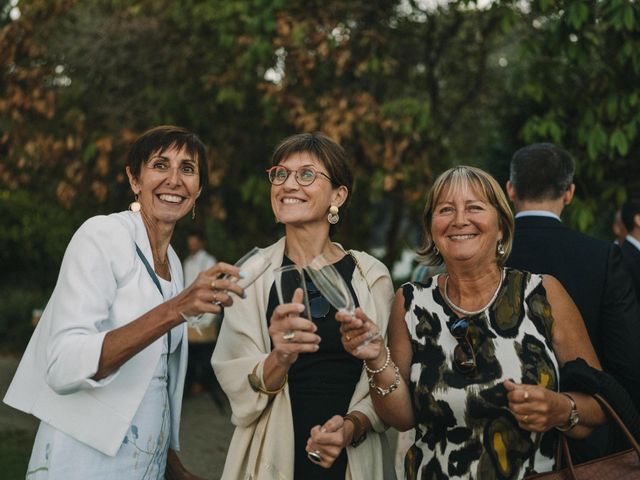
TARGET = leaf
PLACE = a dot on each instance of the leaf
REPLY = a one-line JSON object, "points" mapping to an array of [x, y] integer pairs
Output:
{"points": [[619, 142]]}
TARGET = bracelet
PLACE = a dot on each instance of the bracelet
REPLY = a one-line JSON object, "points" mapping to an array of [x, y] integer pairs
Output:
{"points": [[359, 433], [381, 369], [383, 392], [258, 386]]}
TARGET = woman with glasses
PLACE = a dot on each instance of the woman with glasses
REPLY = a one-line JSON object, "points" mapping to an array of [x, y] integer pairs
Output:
{"points": [[300, 402], [474, 353]]}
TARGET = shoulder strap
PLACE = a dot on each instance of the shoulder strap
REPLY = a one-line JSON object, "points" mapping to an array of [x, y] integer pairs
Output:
{"points": [[155, 279]]}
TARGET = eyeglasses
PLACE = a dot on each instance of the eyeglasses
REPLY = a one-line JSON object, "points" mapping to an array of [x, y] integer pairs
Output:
{"points": [[317, 303], [464, 358], [305, 176]]}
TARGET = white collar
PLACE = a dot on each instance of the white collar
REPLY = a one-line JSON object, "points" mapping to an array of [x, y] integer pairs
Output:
{"points": [[633, 241], [537, 213]]}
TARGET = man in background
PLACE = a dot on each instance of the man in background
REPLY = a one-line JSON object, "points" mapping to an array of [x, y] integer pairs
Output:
{"points": [[631, 247], [199, 372], [591, 270]]}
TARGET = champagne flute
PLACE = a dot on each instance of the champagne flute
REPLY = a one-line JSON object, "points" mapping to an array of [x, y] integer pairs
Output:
{"points": [[334, 288], [253, 264], [288, 279]]}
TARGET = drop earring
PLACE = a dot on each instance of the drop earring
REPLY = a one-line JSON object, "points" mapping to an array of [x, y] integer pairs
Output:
{"points": [[135, 205], [193, 211], [333, 216], [500, 249]]}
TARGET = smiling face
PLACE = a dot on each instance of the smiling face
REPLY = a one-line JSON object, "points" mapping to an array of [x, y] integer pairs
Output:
{"points": [[298, 205], [168, 185], [465, 226]]}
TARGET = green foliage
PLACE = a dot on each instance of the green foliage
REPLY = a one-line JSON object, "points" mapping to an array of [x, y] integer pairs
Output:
{"points": [[407, 89]]}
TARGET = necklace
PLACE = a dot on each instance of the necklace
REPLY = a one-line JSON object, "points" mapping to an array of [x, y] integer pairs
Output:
{"points": [[471, 312]]}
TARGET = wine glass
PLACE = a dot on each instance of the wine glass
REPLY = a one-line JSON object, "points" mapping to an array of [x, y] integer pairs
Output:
{"points": [[334, 288], [253, 264], [288, 279]]}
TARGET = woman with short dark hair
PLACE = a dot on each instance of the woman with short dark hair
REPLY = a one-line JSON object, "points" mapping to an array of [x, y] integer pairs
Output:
{"points": [[104, 370]]}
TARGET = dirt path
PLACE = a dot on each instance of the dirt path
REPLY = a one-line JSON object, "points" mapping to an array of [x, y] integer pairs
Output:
{"points": [[206, 431]]}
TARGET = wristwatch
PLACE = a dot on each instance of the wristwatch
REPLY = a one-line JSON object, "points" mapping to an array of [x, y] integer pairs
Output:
{"points": [[574, 416]]}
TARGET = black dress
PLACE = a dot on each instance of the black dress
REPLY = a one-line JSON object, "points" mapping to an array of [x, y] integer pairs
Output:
{"points": [[321, 384]]}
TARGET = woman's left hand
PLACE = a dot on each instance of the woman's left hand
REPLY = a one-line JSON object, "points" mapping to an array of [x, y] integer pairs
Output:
{"points": [[537, 409], [327, 441]]}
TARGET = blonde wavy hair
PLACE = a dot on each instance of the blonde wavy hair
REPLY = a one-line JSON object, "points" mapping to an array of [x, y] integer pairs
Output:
{"points": [[455, 180]]}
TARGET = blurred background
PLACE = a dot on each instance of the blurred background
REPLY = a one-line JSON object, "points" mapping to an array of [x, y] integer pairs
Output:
{"points": [[408, 87]]}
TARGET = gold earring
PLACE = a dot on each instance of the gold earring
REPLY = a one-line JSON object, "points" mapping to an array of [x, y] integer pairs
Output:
{"points": [[135, 205], [333, 216]]}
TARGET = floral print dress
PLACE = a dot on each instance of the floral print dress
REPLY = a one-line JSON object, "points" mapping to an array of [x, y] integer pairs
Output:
{"points": [[143, 453], [464, 429]]}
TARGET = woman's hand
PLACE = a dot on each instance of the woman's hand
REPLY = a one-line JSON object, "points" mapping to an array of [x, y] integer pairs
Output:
{"points": [[210, 291], [357, 329], [537, 409], [327, 441], [290, 333], [175, 470]]}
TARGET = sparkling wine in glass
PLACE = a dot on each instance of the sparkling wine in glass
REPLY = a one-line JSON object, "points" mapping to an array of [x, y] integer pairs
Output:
{"points": [[333, 288]]}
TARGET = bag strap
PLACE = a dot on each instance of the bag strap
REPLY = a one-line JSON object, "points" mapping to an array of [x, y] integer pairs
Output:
{"points": [[155, 279], [608, 409]]}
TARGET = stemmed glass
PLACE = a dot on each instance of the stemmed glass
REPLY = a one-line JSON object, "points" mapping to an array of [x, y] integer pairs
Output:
{"points": [[288, 279], [333, 287], [253, 264]]}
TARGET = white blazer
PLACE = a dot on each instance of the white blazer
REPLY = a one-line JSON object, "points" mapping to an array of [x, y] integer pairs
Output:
{"points": [[102, 285]]}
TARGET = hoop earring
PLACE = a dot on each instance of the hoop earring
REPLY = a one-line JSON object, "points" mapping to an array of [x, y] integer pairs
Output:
{"points": [[135, 205], [333, 216], [193, 211], [500, 249], [436, 252]]}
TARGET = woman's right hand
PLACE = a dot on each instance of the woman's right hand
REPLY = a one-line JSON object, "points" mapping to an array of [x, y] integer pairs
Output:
{"points": [[358, 330], [210, 291], [290, 333]]}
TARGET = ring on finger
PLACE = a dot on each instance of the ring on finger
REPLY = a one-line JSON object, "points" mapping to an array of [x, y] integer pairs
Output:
{"points": [[525, 419], [348, 338], [526, 395], [213, 284], [289, 335], [314, 456]]}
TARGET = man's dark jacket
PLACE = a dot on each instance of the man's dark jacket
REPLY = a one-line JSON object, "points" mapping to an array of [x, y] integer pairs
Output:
{"points": [[593, 274], [631, 256]]}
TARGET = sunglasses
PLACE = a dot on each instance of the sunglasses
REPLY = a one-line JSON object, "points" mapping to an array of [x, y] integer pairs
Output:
{"points": [[305, 176], [318, 305], [464, 358]]}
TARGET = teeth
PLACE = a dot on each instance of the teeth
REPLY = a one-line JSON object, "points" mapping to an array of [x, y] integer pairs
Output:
{"points": [[461, 237], [171, 198], [291, 200]]}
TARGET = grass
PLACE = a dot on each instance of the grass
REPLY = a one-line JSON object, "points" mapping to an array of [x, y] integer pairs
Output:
{"points": [[15, 449]]}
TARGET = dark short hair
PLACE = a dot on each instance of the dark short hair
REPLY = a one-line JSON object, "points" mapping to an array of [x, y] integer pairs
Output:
{"points": [[165, 137], [629, 210], [331, 155], [454, 180], [541, 171]]}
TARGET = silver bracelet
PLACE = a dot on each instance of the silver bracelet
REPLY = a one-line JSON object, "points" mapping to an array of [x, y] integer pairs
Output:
{"points": [[383, 392], [381, 369]]}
